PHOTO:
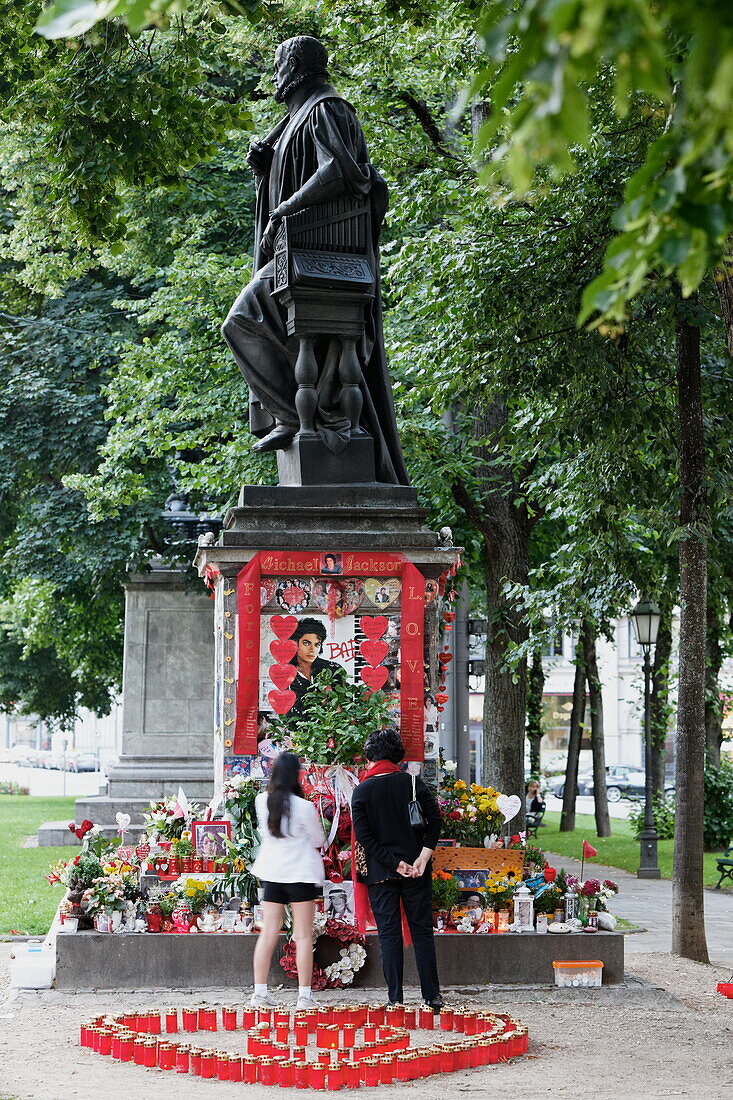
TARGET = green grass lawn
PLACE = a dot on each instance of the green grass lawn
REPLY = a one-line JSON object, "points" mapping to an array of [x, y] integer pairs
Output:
{"points": [[619, 850], [27, 901]]}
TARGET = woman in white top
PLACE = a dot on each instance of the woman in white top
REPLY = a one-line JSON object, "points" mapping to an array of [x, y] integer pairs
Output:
{"points": [[290, 867]]}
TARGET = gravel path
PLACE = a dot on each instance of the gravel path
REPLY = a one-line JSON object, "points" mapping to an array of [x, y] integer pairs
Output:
{"points": [[617, 1043]]}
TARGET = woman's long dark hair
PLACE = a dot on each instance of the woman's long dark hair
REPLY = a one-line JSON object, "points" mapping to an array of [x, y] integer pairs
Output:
{"points": [[284, 781]]}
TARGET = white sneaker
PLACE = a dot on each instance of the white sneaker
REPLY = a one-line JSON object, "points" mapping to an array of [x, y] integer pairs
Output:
{"points": [[306, 1002], [257, 1000]]}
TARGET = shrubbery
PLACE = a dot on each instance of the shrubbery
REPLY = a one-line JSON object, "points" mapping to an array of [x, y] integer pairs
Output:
{"points": [[718, 805], [663, 808], [13, 788]]}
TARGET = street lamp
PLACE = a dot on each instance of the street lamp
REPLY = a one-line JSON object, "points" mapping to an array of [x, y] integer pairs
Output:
{"points": [[645, 618]]}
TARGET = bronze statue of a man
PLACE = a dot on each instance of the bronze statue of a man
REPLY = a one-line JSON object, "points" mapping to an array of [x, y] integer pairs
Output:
{"points": [[317, 153]]}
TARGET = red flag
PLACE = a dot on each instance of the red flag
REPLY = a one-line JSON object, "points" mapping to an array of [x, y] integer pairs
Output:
{"points": [[588, 852]]}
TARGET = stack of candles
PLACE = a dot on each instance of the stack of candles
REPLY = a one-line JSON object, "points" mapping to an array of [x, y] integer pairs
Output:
{"points": [[276, 1043]]}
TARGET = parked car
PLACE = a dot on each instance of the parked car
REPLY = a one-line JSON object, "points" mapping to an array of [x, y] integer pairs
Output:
{"points": [[557, 785], [621, 782], [83, 762]]}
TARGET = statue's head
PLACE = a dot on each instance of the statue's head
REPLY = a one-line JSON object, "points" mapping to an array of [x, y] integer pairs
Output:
{"points": [[297, 60]]}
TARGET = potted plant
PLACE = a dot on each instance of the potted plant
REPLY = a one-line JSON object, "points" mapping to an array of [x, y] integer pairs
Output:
{"points": [[499, 891], [471, 813], [446, 894], [183, 848]]}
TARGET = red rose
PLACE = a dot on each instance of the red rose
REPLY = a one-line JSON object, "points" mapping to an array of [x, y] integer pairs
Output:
{"points": [[72, 826], [87, 825], [455, 814]]}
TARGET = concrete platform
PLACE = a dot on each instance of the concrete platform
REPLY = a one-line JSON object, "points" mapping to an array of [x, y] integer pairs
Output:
{"points": [[93, 960]]}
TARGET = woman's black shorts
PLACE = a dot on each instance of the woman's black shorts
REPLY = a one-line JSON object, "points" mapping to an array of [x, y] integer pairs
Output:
{"points": [[285, 893]]}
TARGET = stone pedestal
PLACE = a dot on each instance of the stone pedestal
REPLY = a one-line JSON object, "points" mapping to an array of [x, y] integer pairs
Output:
{"points": [[314, 520], [167, 698]]}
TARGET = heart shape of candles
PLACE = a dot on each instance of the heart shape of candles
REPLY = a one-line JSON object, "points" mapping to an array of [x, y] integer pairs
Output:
{"points": [[383, 1056]]}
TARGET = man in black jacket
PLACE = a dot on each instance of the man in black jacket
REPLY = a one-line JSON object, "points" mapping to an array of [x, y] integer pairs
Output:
{"points": [[393, 859]]}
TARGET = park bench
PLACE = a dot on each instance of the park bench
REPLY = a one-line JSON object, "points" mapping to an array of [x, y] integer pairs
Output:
{"points": [[725, 866], [534, 820]]}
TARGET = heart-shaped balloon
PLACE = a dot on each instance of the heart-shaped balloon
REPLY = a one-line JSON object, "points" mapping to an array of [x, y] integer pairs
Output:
{"points": [[375, 678], [509, 805], [281, 701], [441, 698], [374, 626], [283, 650], [445, 658], [282, 676], [375, 652], [283, 625]]}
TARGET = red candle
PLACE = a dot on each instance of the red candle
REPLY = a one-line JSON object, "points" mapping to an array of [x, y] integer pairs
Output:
{"points": [[348, 1035], [372, 1072], [183, 1059], [84, 1035], [287, 1074], [166, 1056], [235, 1067], [470, 1023], [317, 1076], [222, 1066], [463, 1057], [395, 1015], [196, 1053], [264, 1016], [340, 1015], [301, 1075], [447, 1060], [426, 1018], [505, 1046], [324, 1016], [375, 1014], [402, 1067], [151, 1053], [154, 1023], [105, 1042], [127, 1045], [458, 1019], [208, 1065], [171, 1021], [387, 1064], [446, 1019], [335, 1078], [370, 1033], [248, 1018], [301, 1032], [229, 1019], [408, 1019], [280, 1016], [249, 1070], [115, 1045], [281, 1033], [267, 1071], [344, 1055], [190, 1019], [142, 1023], [138, 1052], [324, 1058], [352, 1072]]}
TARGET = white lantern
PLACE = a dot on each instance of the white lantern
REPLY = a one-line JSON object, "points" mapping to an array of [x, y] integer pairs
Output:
{"points": [[523, 909]]}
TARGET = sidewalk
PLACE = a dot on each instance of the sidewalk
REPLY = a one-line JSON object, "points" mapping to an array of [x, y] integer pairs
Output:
{"points": [[648, 903]]}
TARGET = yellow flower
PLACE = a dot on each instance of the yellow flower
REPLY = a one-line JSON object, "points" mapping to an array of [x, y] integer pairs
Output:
{"points": [[459, 785], [493, 805]]}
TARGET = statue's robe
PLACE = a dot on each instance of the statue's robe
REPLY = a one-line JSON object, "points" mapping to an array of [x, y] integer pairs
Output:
{"points": [[318, 150]]}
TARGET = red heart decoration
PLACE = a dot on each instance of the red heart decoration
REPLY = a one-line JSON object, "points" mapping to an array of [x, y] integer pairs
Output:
{"points": [[283, 650], [282, 676], [442, 698], [281, 701], [441, 709], [283, 625], [449, 616], [375, 678], [448, 626], [444, 658], [374, 626], [375, 652]]}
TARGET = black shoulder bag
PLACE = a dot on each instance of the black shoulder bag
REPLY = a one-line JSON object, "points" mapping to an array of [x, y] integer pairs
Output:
{"points": [[417, 817]]}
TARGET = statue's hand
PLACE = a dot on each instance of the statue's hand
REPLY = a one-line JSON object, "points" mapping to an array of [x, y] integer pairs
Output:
{"points": [[259, 157], [267, 244]]}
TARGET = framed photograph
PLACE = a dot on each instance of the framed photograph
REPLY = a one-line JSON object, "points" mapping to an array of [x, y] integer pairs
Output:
{"points": [[338, 901], [209, 837], [331, 564]]}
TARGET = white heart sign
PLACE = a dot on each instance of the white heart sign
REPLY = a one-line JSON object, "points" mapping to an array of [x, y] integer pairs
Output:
{"points": [[509, 805], [123, 821]]}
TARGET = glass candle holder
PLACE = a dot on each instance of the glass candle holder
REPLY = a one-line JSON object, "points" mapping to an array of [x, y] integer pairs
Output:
{"points": [[426, 1018], [229, 1019], [446, 1019], [375, 1014], [138, 1052], [127, 1044], [249, 1018], [151, 1053], [190, 1019], [171, 1021], [301, 1075], [348, 1035], [183, 1058], [335, 1078], [235, 1067], [208, 1065], [222, 1065], [249, 1070], [409, 1018], [154, 1023]]}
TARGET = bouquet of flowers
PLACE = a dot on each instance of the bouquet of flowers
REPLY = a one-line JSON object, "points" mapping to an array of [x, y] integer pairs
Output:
{"points": [[351, 959], [240, 792], [446, 890], [111, 891], [167, 817], [499, 890], [471, 813], [196, 891], [595, 893]]}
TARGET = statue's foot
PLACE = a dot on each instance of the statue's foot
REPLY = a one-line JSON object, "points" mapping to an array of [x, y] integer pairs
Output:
{"points": [[278, 439]]}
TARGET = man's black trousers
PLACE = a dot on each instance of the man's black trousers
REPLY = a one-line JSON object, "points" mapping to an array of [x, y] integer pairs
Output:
{"points": [[416, 894]]}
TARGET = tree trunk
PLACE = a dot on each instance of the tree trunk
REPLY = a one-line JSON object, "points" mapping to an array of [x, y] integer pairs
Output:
{"points": [[713, 698], [535, 691], [502, 520], [595, 698], [659, 702], [688, 906], [567, 818]]}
